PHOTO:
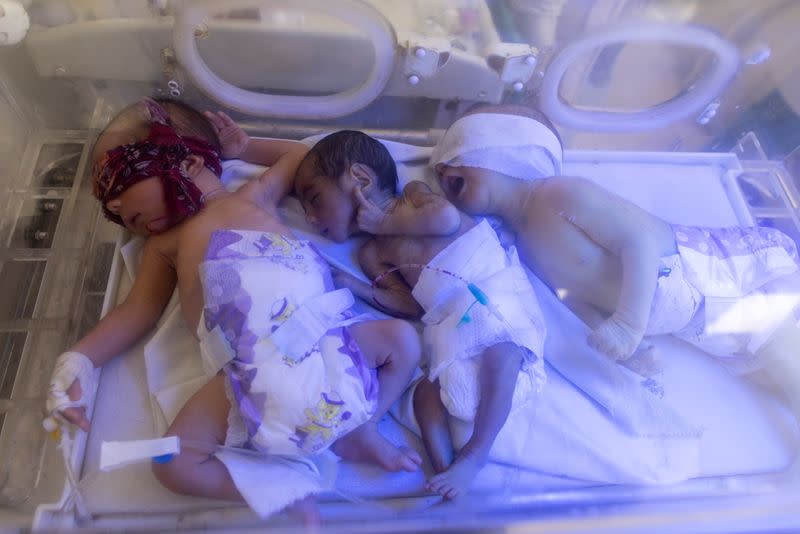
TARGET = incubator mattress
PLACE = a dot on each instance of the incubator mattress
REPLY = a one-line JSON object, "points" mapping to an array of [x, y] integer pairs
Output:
{"points": [[677, 187]]}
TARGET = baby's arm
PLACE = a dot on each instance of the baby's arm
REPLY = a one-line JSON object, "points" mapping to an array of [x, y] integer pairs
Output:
{"points": [[128, 322], [616, 226], [282, 156], [284, 159], [392, 295], [420, 212]]}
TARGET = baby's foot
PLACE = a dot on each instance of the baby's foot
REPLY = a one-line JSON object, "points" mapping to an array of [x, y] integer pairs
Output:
{"points": [[457, 479], [366, 444], [306, 511]]}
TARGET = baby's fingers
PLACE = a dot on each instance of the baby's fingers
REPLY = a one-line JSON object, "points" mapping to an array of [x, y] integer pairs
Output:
{"points": [[360, 198], [218, 120], [214, 119], [226, 120], [76, 416]]}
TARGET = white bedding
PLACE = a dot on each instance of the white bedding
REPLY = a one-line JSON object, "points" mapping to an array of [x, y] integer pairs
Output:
{"points": [[567, 439]]}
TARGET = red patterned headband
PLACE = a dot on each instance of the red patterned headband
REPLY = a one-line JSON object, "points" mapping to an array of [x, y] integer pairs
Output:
{"points": [[160, 155]]}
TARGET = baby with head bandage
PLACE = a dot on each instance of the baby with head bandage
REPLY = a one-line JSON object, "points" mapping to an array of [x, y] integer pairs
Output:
{"points": [[627, 273], [512, 140]]}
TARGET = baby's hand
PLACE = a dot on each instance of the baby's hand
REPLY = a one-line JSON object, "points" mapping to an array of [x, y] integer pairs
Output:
{"points": [[343, 280], [233, 139], [371, 218], [506, 237], [645, 360], [359, 288], [616, 338], [72, 377]]}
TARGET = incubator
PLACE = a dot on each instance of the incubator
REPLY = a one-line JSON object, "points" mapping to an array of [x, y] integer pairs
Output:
{"points": [[688, 108]]}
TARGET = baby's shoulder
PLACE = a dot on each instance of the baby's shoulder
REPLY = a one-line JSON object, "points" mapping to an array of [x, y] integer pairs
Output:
{"points": [[559, 188], [565, 194], [164, 246]]}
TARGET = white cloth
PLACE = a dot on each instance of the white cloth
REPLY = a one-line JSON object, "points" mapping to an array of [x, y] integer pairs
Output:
{"points": [[595, 420], [509, 144], [70, 366], [255, 479], [454, 345]]}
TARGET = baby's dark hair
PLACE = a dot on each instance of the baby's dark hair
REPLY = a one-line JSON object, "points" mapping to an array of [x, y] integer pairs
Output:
{"points": [[334, 154], [187, 122], [516, 109]]}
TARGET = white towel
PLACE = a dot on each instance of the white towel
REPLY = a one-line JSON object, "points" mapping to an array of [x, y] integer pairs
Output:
{"points": [[509, 144]]}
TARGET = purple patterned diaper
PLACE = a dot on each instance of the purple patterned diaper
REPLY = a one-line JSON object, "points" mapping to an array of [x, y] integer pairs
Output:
{"points": [[253, 283]]}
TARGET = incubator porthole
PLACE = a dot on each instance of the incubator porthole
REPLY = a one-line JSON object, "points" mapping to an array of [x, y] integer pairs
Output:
{"points": [[602, 51]]}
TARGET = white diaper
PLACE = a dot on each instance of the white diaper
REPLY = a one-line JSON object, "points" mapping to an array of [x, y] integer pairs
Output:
{"points": [[453, 346], [675, 302], [727, 290]]}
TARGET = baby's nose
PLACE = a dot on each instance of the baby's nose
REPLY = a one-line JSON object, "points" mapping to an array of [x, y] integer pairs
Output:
{"points": [[311, 218], [114, 206]]}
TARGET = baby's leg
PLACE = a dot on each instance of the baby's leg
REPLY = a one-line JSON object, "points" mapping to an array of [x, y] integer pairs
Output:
{"points": [[204, 419], [432, 419], [500, 365], [393, 348]]}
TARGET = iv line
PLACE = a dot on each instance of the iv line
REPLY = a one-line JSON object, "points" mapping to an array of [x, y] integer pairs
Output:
{"points": [[480, 296]]}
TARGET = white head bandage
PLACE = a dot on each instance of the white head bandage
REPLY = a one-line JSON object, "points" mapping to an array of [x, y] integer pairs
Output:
{"points": [[509, 144]]}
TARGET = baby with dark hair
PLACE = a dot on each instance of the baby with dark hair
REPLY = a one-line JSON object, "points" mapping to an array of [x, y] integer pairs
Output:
{"points": [[424, 255], [261, 302]]}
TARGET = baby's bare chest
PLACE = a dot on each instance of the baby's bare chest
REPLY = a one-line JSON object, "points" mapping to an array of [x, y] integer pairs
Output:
{"points": [[193, 241], [564, 256]]}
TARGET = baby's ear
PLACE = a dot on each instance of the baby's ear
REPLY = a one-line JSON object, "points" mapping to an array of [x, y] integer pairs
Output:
{"points": [[192, 165], [363, 175]]}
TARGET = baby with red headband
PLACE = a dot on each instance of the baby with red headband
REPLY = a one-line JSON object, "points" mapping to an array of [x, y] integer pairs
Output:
{"points": [[262, 303]]}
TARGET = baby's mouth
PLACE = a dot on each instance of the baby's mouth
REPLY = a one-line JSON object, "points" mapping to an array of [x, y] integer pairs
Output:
{"points": [[455, 185], [157, 226]]}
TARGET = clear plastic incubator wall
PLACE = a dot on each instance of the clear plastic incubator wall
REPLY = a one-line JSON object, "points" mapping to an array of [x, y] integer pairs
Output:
{"points": [[690, 109]]}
